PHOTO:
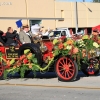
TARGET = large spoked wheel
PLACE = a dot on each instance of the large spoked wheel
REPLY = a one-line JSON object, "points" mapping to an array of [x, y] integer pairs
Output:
{"points": [[92, 68], [1, 72], [66, 69]]}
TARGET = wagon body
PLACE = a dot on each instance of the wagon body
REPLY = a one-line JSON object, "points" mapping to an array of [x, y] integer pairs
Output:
{"points": [[64, 56]]}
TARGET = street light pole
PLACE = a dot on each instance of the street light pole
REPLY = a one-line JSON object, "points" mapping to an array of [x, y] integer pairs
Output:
{"points": [[26, 10], [76, 17]]}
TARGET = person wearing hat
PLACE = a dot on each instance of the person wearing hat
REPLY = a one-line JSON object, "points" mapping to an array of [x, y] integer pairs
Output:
{"points": [[25, 36]]}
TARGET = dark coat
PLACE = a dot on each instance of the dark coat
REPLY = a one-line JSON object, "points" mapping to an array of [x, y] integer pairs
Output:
{"points": [[1, 37], [10, 38], [1, 40]]}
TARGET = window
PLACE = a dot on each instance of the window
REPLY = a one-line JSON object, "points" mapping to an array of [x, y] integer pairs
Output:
{"points": [[57, 33], [62, 15], [32, 22], [63, 33]]}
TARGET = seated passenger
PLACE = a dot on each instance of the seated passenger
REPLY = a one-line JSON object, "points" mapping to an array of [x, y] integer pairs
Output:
{"points": [[10, 35], [25, 36], [1, 40]]}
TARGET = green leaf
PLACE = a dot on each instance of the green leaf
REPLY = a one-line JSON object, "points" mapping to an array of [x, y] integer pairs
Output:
{"points": [[12, 61], [33, 55], [26, 51], [56, 52], [85, 37], [55, 41], [35, 60], [65, 44], [34, 68], [0, 54]]}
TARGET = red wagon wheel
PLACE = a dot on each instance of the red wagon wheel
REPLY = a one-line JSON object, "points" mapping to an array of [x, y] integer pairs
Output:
{"points": [[1, 71], [66, 69]]}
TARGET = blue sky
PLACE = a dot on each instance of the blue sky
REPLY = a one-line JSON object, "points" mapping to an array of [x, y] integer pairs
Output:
{"points": [[77, 0]]}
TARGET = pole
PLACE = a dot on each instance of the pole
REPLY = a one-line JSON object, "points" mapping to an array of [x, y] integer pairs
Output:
{"points": [[76, 17], [26, 10]]}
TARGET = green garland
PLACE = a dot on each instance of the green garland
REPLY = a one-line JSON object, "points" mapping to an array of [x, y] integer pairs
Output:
{"points": [[24, 67], [81, 44]]}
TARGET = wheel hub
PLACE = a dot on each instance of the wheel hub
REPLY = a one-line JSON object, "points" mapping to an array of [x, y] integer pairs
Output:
{"points": [[66, 67]]}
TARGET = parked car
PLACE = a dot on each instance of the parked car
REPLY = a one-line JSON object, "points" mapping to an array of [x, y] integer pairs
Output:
{"points": [[58, 33]]}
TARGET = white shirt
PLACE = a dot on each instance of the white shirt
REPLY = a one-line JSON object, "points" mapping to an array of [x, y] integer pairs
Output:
{"points": [[35, 29]]}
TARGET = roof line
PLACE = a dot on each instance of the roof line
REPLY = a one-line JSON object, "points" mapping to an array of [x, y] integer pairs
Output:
{"points": [[31, 18]]}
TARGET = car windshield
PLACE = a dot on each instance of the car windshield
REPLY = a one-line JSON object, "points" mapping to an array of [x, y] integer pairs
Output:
{"points": [[55, 33]]}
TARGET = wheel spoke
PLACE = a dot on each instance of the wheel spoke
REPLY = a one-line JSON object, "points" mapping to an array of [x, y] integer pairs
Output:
{"points": [[60, 66], [71, 69], [61, 69], [67, 74], [61, 63], [70, 73], [63, 73]]}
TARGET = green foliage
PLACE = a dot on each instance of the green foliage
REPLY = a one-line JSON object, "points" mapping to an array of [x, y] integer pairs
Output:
{"points": [[26, 51], [56, 52], [12, 61], [65, 52], [55, 41], [34, 60], [75, 48], [89, 44]]}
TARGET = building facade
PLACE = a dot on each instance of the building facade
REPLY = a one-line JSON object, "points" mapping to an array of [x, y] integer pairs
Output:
{"points": [[46, 11]]}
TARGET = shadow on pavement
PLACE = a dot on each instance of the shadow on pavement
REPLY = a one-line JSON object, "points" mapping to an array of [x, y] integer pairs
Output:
{"points": [[47, 75], [38, 75]]}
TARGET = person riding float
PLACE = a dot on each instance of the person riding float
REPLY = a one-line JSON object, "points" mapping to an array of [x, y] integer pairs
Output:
{"points": [[10, 36], [24, 35], [1, 40], [37, 33]]}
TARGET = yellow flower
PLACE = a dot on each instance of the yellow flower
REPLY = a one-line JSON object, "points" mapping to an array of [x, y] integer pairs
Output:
{"points": [[69, 47], [95, 45]]}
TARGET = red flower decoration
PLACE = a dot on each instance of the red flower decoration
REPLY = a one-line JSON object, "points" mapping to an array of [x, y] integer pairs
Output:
{"points": [[22, 57], [61, 46], [63, 37], [48, 54], [49, 45], [25, 61]]}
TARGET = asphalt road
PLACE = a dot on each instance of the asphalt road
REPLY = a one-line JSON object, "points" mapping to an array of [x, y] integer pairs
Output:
{"points": [[47, 87], [46, 93]]}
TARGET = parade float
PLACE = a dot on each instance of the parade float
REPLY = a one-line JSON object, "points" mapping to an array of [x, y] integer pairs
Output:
{"points": [[65, 56]]}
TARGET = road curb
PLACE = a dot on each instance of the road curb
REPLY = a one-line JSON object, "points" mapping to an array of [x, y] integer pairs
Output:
{"points": [[71, 87]]}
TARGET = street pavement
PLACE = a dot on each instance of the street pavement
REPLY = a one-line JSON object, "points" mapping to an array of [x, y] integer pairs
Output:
{"points": [[50, 79], [46, 93], [47, 87]]}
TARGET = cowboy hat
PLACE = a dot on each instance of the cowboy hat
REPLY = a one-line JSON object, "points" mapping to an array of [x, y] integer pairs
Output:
{"points": [[25, 26]]}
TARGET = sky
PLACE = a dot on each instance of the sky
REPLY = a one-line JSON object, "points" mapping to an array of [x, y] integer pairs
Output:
{"points": [[76, 0]]}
